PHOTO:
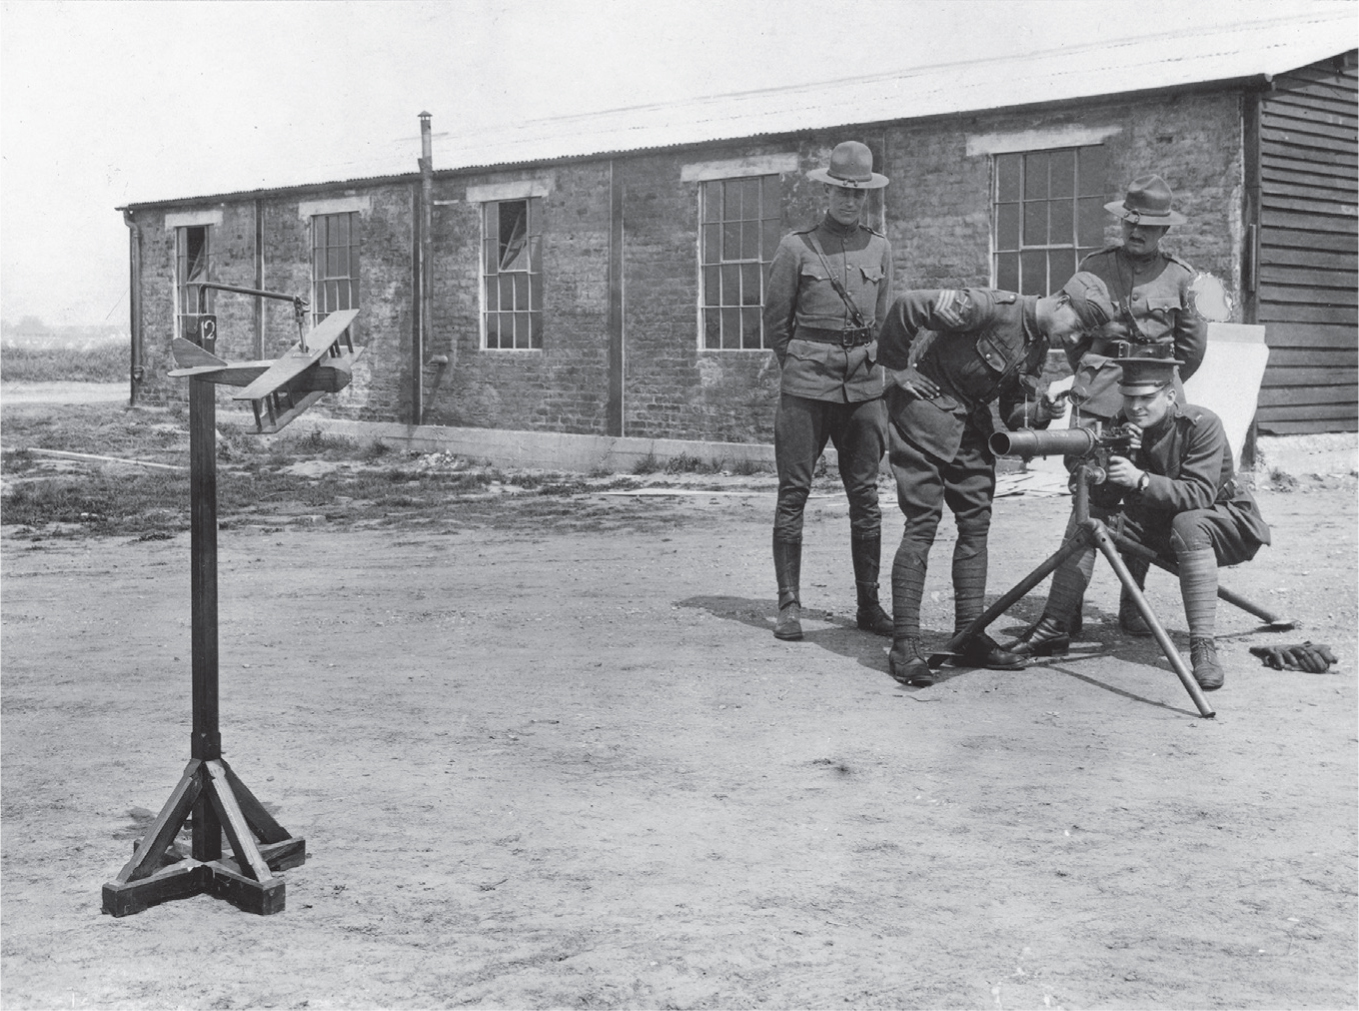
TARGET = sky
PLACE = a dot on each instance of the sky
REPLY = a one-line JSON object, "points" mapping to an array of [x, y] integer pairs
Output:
{"points": [[104, 104]]}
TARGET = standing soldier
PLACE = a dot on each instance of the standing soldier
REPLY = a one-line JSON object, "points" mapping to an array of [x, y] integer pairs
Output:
{"points": [[988, 345], [826, 297], [1150, 291]]}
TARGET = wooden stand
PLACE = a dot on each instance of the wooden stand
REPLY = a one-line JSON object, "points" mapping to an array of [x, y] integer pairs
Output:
{"points": [[209, 790]]}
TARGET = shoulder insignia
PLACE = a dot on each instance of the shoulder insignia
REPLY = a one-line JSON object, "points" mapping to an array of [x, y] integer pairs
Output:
{"points": [[949, 306], [1004, 297]]}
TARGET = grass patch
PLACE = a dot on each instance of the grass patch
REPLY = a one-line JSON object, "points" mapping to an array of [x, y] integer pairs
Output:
{"points": [[749, 468], [103, 362], [646, 465]]}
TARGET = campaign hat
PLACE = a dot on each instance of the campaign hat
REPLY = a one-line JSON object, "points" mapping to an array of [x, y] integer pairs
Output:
{"points": [[1147, 203], [851, 167], [1089, 296], [1146, 375]]}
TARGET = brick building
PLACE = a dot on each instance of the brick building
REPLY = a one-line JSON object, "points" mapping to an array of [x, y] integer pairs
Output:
{"points": [[604, 275]]}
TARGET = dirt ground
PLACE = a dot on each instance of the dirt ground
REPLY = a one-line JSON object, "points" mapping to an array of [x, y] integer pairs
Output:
{"points": [[562, 762]]}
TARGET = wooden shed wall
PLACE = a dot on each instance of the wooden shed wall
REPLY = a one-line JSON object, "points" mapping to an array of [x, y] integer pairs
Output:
{"points": [[1308, 271]]}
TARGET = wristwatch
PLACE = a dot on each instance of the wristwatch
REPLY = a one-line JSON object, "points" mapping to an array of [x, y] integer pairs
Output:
{"points": [[1143, 481]]}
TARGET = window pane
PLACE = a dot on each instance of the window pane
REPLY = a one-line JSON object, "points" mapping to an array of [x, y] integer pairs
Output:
{"points": [[1007, 176], [1007, 226], [492, 330], [731, 240], [1061, 227], [712, 243], [712, 201], [750, 328], [1007, 271], [1062, 174], [492, 294], [506, 291], [750, 199], [731, 284], [750, 284], [750, 241], [711, 289], [712, 329], [1061, 265], [521, 286], [1035, 175], [1036, 223], [536, 330], [354, 263], [770, 243], [1033, 278], [771, 204], [1090, 222], [536, 294], [1093, 171], [731, 328], [523, 333], [535, 257]]}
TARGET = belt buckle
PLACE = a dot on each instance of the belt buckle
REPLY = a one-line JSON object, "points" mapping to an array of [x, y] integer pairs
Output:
{"points": [[852, 338]]}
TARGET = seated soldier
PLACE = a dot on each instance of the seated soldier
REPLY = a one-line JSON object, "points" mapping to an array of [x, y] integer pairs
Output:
{"points": [[1177, 495]]}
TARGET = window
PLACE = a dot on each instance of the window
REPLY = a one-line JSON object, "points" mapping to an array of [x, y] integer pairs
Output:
{"points": [[193, 262], [742, 222], [512, 273], [1049, 212], [334, 263]]}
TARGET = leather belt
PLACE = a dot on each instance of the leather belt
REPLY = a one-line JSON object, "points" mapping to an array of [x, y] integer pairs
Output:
{"points": [[851, 338], [1131, 349]]}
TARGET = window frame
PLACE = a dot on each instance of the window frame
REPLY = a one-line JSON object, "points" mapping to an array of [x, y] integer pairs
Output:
{"points": [[183, 304], [1015, 206], [524, 281], [714, 229], [320, 292]]}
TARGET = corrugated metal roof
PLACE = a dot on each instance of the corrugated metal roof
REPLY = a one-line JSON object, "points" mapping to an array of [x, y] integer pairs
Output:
{"points": [[1173, 59]]}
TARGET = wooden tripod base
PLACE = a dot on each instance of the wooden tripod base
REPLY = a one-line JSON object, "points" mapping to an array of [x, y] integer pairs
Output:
{"points": [[220, 803]]}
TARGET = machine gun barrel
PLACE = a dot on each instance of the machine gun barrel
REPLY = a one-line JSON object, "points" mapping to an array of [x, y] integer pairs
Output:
{"points": [[1040, 442]]}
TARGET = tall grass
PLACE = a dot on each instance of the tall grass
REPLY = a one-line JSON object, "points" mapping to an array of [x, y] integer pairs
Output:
{"points": [[104, 362]]}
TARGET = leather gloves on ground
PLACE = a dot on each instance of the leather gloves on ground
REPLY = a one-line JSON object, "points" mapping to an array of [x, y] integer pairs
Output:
{"points": [[1314, 658]]}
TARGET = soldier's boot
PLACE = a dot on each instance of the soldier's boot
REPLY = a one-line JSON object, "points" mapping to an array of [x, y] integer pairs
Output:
{"points": [[907, 664], [1129, 616], [1198, 587], [866, 552], [1047, 638], [1051, 635], [969, 600], [788, 572]]}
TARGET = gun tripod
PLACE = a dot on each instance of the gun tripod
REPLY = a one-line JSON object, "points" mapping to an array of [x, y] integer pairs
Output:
{"points": [[1092, 532]]}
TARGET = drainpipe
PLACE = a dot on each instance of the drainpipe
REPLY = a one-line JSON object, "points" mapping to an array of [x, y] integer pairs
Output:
{"points": [[134, 300], [425, 286]]}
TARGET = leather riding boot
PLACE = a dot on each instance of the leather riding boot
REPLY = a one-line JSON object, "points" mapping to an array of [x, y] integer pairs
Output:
{"points": [[1129, 617], [907, 664], [865, 552], [788, 571], [1047, 638], [1207, 671], [983, 651]]}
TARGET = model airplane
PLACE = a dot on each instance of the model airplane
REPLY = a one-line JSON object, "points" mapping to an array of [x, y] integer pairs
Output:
{"points": [[281, 389]]}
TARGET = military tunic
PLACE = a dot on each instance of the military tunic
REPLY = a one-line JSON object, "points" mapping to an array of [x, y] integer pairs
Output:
{"points": [[1191, 495], [986, 346], [1154, 320], [830, 389]]}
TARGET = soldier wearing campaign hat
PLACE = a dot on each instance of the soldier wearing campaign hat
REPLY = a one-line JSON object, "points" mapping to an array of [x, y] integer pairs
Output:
{"points": [[1177, 494], [1150, 288], [987, 345], [826, 297]]}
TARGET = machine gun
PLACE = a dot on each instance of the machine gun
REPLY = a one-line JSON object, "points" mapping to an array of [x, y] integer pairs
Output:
{"points": [[1093, 446]]}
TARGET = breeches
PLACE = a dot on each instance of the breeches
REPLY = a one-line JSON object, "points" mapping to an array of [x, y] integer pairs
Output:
{"points": [[857, 431], [967, 484], [1170, 534]]}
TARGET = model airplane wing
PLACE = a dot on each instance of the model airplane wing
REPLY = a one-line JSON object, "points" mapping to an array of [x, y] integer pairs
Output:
{"points": [[319, 344]]}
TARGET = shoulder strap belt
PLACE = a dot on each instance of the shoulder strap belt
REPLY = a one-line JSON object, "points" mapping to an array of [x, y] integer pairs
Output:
{"points": [[854, 312]]}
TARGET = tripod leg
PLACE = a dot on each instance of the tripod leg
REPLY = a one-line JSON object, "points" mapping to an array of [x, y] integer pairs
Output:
{"points": [[233, 821], [1014, 593], [1235, 599], [1105, 543], [163, 830]]}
